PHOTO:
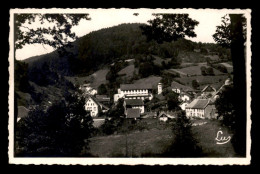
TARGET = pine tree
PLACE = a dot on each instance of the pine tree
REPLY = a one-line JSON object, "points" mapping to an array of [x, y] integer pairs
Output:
{"points": [[184, 144]]}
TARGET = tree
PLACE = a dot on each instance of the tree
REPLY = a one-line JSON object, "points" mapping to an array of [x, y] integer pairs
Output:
{"points": [[224, 34], [225, 106], [56, 36], [203, 70], [169, 27], [195, 84], [102, 89], [210, 71], [184, 144], [233, 35], [172, 100], [62, 130]]}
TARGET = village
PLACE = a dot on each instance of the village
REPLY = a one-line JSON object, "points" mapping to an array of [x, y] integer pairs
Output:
{"points": [[128, 90], [198, 104]]}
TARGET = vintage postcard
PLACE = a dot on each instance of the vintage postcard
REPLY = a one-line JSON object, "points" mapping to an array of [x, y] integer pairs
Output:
{"points": [[130, 86]]}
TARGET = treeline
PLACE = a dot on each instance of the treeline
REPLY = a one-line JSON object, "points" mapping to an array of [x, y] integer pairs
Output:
{"points": [[112, 44]]}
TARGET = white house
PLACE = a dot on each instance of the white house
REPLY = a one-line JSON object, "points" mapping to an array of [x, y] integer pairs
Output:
{"points": [[183, 105], [201, 108], [184, 96], [134, 91], [134, 104], [94, 107]]}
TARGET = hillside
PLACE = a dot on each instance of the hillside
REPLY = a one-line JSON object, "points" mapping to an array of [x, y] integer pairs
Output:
{"points": [[92, 55]]}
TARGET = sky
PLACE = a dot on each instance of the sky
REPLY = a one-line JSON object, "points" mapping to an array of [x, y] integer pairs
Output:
{"points": [[103, 18]]}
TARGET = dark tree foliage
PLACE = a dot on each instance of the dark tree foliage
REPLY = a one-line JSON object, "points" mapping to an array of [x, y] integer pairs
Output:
{"points": [[225, 106], [184, 144], [21, 80], [172, 101], [60, 131], [115, 120], [233, 35], [207, 71], [169, 27], [224, 33], [58, 36], [195, 84], [102, 89]]}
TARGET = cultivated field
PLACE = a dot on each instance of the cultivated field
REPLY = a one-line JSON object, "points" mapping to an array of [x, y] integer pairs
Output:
{"points": [[128, 71], [153, 80], [95, 79], [203, 80]]}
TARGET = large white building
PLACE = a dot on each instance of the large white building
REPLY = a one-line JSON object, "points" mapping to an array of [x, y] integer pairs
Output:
{"points": [[134, 91]]}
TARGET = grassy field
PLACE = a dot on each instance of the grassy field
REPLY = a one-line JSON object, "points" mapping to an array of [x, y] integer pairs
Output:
{"points": [[139, 144], [203, 80], [128, 71], [154, 140], [206, 134], [153, 80], [95, 79], [195, 70]]}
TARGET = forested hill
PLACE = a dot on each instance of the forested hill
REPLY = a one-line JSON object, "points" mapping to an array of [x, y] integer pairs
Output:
{"points": [[95, 49], [109, 45]]}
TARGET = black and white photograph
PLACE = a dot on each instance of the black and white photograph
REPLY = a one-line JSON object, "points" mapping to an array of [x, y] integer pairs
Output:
{"points": [[130, 86]]}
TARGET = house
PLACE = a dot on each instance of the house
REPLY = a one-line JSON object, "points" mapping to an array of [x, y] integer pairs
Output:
{"points": [[134, 91], [183, 105], [211, 111], [133, 113], [184, 96], [104, 99], [134, 104], [208, 91], [201, 108], [164, 116], [87, 89], [178, 88], [22, 112], [94, 107]]}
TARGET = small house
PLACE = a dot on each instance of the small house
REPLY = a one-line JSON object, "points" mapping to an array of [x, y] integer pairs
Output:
{"points": [[164, 116], [134, 104], [94, 107]]}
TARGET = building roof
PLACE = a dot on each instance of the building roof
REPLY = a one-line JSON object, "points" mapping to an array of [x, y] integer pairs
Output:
{"points": [[208, 88], [98, 103], [102, 98], [132, 113], [167, 114], [176, 85], [198, 104], [22, 112], [124, 87], [134, 102]]}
